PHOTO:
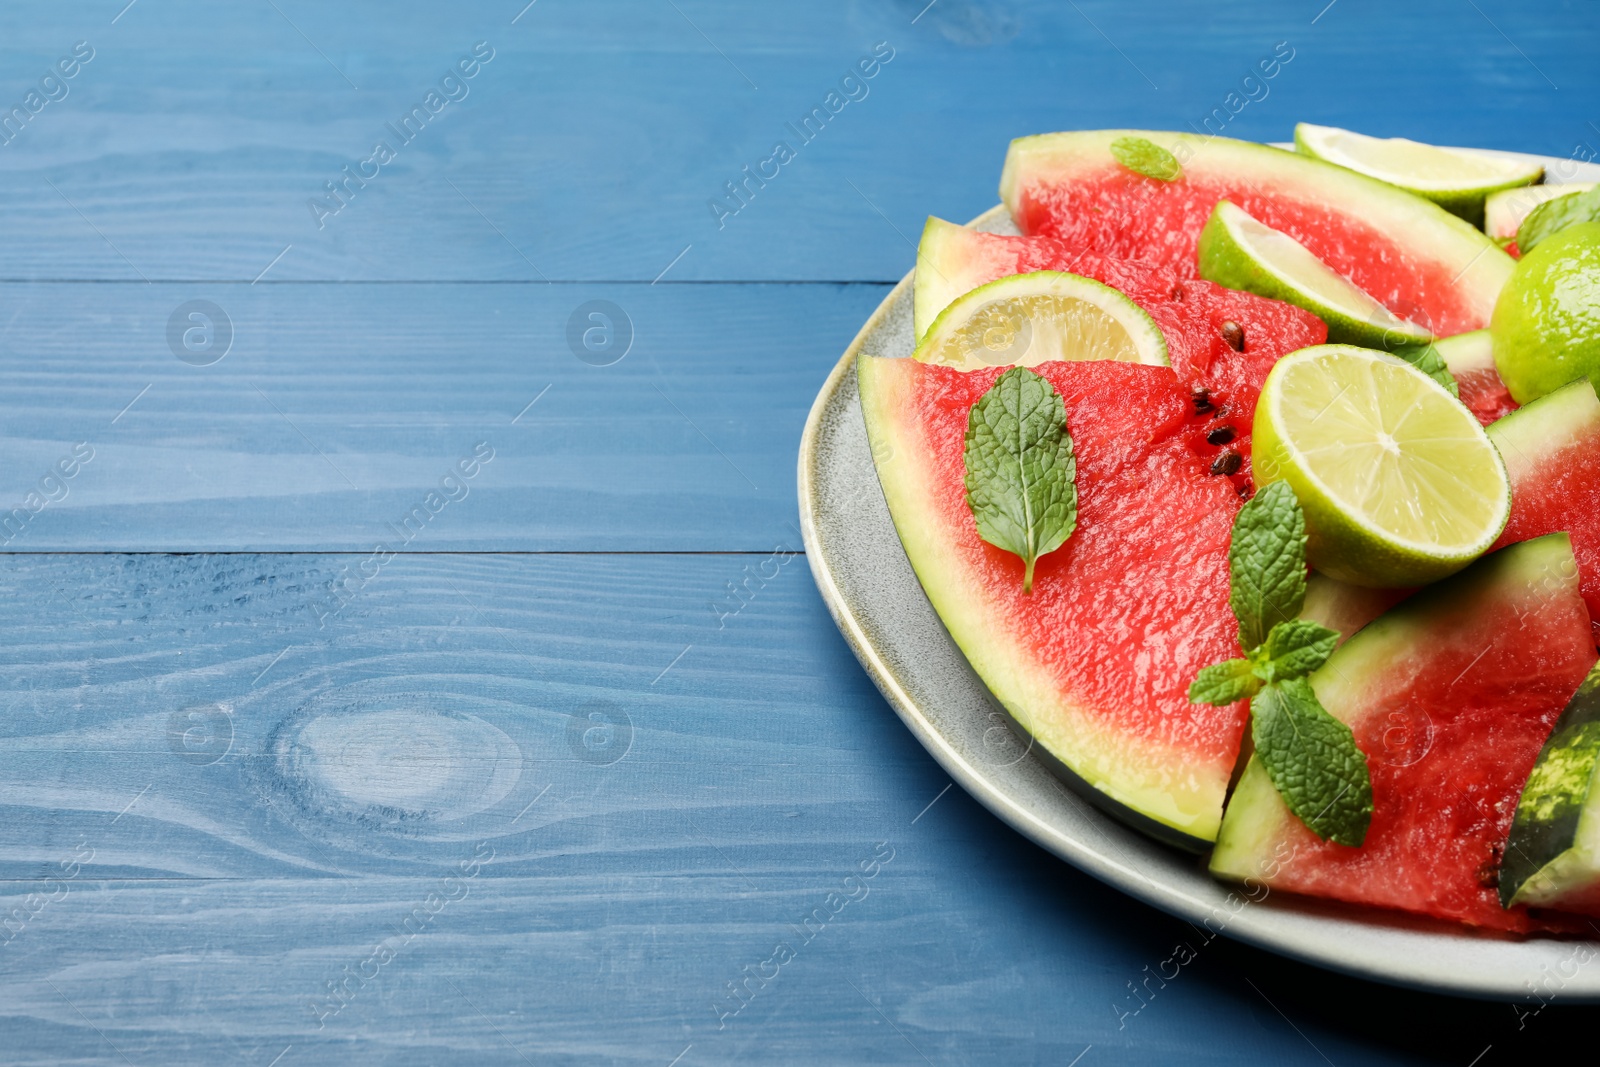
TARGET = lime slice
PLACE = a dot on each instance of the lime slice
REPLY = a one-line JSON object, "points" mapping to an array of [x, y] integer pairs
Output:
{"points": [[1456, 180], [1238, 251], [1400, 484], [1027, 319], [1504, 211]]}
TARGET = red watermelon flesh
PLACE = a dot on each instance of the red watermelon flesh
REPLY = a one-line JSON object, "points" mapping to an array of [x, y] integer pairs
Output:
{"points": [[1470, 359], [1096, 661], [1129, 216], [1413, 257], [1552, 452], [1190, 313], [1485, 395], [1450, 696]]}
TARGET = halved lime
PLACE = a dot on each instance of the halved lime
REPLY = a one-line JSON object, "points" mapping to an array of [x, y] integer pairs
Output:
{"points": [[1027, 319], [1456, 180], [1399, 482], [1240, 252], [1504, 211]]}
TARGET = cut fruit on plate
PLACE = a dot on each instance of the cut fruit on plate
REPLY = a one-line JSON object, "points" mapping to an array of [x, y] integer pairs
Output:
{"points": [[1504, 211], [1457, 181], [1399, 482], [1094, 662], [1450, 696], [1553, 854], [1418, 260], [1221, 342], [1239, 252], [1027, 319], [1552, 454]]}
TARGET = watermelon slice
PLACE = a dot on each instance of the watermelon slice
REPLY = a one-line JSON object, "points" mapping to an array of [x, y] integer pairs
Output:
{"points": [[1415, 258], [1096, 661], [1552, 453], [1552, 857], [1475, 670], [953, 260], [1470, 360]]}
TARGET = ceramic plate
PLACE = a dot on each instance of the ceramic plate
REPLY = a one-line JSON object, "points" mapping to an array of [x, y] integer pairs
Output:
{"points": [[880, 608]]}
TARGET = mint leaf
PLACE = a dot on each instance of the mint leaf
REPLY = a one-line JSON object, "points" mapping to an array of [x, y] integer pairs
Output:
{"points": [[1427, 359], [1147, 158], [1225, 683], [1020, 468], [1553, 216], [1313, 762], [1267, 562], [1293, 650]]}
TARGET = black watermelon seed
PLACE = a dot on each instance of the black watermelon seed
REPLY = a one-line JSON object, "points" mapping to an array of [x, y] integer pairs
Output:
{"points": [[1202, 400], [1227, 463], [1232, 333], [1221, 435]]}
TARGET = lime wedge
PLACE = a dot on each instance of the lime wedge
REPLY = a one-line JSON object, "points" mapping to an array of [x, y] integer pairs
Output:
{"points": [[1027, 319], [1238, 251], [1400, 484], [1456, 180], [1504, 211]]}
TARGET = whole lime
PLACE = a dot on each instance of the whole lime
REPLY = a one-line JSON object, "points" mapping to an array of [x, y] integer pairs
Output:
{"points": [[1546, 324]]}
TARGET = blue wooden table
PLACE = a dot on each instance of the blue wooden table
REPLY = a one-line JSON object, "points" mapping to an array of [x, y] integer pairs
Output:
{"points": [[407, 653]]}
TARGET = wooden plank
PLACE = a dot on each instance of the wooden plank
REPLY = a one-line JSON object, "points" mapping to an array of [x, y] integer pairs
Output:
{"points": [[203, 832], [340, 409], [248, 716], [591, 145]]}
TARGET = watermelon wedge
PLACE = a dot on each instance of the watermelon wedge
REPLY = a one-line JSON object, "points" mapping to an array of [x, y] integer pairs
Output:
{"points": [[1552, 857], [1470, 359], [1096, 661], [1552, 453], [1475, 670], [1415, 258], [1193, 315]]}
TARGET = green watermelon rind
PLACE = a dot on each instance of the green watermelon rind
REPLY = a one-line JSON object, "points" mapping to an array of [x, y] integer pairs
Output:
{"points": [[1478, 265], [1129, 781], [1528, 437], [949, 264], [1553, 851], [1256, 818], [1466, 352]]}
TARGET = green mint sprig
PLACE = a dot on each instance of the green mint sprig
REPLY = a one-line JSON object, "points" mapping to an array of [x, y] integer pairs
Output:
{"points": [[1147, 158], [1020, 468], [1553, 216], [1310, 756]]}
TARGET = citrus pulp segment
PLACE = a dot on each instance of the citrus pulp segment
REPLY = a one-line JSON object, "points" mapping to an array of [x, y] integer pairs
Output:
{"points": [[1027, 319], [1399, 482]]}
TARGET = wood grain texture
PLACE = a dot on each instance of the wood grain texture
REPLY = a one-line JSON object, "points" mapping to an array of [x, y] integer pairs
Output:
{"points": [[205, 840], [591, 144], [230, 781], [340, 408]]}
